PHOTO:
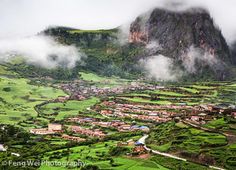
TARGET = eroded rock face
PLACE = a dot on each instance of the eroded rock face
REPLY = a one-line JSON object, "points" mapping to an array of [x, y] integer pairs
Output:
{"points": [[176, 32], [138, 32], [233, 52]]}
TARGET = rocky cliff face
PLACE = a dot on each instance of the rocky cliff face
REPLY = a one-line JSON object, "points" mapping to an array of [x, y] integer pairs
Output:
{"points": [[176, 32], [233, 52]]}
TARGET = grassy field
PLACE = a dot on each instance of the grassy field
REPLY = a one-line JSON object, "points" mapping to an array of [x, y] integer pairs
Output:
{"points": [[18, 98], [190, 90], [92, 31], [142, 100], [102, 81], [98, 154], [216, 123], [70, 108], [168, 93], [5, 71], [196, 94], [175, 137]]}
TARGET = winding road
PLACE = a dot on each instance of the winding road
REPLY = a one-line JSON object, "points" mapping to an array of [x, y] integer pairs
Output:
{"points": [[143, 139]]}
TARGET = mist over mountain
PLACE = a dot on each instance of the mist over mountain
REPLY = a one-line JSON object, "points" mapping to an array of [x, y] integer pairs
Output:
{"points": [[189, 40], [188, 37]]}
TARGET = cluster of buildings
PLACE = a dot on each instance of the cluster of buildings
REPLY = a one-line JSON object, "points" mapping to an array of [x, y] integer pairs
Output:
{"points": [[163, 113], [127, 143], [52, 128], [144, 112], [145, 106], [73, 138], [117, 124], [81, 120], [122, 126], [80, 90], [88, 132], [139, 149], [204, 113]]}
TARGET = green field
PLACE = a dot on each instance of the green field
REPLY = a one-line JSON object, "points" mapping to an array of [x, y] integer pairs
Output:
{"points": [[142, 100], [70, 108], [175, 137], [102, 81], [98, 154], [190, 90], [4, 71], [168, 93], [76, 31], [18, 99]]}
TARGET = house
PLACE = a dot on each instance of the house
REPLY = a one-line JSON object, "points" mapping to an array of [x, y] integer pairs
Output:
{"points": [[202, 114], [124, 127], [102, 124], [195, 118], [52, 129], [130, 142], [144, 128], [73, 138], [88, 132], [214, 109], [139, 149], [233, 114], [106, 112], [62, 99], [43, 131], [2, 148], [127, 143]]}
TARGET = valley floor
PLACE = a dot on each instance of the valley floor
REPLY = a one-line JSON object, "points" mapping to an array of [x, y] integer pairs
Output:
{"points": [[99, 122]]}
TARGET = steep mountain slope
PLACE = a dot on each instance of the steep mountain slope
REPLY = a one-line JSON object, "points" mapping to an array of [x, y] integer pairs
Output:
{"points": [[188, 38], [233, 52], [177, 32]]}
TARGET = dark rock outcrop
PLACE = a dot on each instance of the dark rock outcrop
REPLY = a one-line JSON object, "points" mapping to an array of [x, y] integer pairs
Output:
{"points": [[176, 32], [233, 52]]}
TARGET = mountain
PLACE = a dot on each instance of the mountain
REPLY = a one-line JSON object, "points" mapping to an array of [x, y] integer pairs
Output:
{"points": [[174, 35], [177, 32]]}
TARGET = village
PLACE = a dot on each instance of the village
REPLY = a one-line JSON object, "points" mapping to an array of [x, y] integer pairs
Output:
{"points": [[132, 121], [120, 117], [80, 90]]}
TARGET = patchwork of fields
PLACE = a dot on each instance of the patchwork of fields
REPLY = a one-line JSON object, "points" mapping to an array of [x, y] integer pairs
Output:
{"points": [[176, 117]]}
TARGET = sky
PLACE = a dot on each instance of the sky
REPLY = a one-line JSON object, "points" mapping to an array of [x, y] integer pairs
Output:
{"points": [[27, 17]]}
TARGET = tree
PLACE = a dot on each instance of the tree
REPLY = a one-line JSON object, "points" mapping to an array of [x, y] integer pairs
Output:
{"points": [[111, 161], [90, 167]]}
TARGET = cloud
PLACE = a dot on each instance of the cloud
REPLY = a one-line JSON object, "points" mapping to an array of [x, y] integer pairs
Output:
{"points": [[27, 17], [159, 67], [39, 50], [197, 55], [222, 11], [153, 47], [163, 68]]}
